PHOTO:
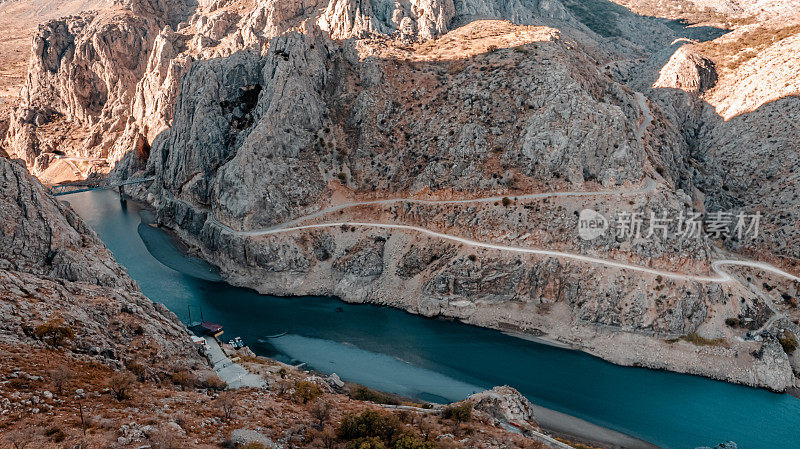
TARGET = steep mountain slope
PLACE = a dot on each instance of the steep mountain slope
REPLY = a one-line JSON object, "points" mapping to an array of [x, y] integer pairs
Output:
{"points": [[100, 97], [53, 267], [753, 155], [82, 78]]}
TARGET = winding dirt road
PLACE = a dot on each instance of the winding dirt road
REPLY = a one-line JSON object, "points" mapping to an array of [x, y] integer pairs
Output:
{"points": [[719, 274]]}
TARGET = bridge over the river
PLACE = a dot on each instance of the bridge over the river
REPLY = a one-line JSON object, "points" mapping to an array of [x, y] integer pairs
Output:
{"points": [[93, 184]]}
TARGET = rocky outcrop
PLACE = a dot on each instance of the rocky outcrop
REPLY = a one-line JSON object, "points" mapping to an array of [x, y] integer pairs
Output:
{"points": [[426, 19], [44, 237], [504, 404], [688, 71], [110, 79]]}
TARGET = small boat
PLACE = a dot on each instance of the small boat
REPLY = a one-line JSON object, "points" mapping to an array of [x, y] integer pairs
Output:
{"points": [[277, 335], [236, 342]]}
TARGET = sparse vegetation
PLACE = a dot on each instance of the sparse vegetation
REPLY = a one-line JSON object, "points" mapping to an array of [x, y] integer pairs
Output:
{"points": [[365, 394], [365, 443], [164, 439], [408, 441], [321, 411], [183, 379], [19, 383], [749, 44], [459, 413], [698, 340], [226, 403], [137, 369], [370, 424], [54, 332], [327, 437], [253, 445], [60, 377], [788, 341], [120, 384], [372, 430], [19, 438], [575, 445], [732, 322], [56, 434], [305, 391], [214, 383]]}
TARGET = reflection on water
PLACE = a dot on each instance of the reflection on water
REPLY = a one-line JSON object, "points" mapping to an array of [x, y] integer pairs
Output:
{"points": [[429, 359]]}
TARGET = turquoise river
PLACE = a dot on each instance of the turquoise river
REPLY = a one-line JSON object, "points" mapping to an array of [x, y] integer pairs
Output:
{"points": [[440, 360]]}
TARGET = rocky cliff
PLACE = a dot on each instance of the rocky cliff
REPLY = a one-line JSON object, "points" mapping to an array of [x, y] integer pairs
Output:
{"points": [[105, 82], [82, 77], [54, 269]]}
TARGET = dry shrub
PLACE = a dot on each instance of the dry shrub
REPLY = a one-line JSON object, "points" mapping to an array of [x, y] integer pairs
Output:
{"points": [[60, 377], [212, 382], [121, 384], [321, 411], [327, 437], [184, 379], [305, 391], [54, 332], [282, 387], [226, 402], [165, 439], [56, 434], [137, 369]]}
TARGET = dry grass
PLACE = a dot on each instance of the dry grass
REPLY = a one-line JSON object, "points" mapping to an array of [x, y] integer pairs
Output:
{"points": [[698, 340], [479, 37], [732, 53], [157, 403]]}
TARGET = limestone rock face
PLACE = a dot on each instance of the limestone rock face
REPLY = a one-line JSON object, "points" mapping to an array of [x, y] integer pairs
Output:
{"points": [[688, 71], [53, 267], [425, 19], [749, 145], [83, 72], [34, 242], [107, 81], [349, 131]]}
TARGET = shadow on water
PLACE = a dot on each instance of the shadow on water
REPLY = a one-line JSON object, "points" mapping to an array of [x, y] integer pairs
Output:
{"points": [[441, 360]]}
